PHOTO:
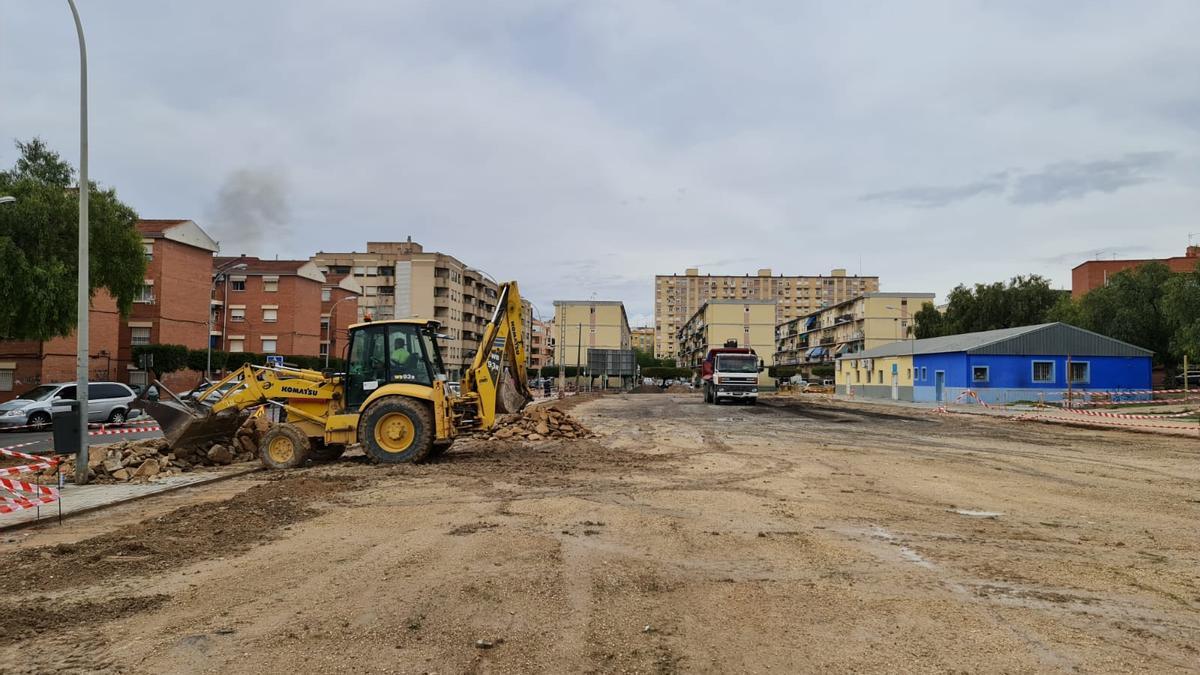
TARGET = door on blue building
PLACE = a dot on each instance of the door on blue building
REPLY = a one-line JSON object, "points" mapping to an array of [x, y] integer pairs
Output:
{"points": [[895, 382], [939, 383]]}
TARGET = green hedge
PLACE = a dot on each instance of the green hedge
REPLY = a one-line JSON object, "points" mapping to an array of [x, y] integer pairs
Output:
{"points": [[170, 358]]}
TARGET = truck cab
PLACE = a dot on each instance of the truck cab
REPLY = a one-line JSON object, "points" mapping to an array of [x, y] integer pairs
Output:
{"points": [[730, 373]]}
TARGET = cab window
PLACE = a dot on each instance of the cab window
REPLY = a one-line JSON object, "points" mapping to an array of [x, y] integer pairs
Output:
{"points": [[406, 355]]}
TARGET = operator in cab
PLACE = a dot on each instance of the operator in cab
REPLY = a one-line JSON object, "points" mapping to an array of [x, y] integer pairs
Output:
{"points": [[406, 366]]}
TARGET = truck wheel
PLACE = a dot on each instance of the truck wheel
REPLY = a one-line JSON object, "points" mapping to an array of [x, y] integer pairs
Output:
{"points": [[284, 446], [321, 452], [397, 430]]}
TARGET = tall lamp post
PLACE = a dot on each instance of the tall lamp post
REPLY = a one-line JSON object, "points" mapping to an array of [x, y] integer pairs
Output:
{"points": [[329, 336], [224, 301], [84, 289]]}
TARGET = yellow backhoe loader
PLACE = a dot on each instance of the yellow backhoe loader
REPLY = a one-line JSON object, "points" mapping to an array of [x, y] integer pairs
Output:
{"points": [[393, 397]]}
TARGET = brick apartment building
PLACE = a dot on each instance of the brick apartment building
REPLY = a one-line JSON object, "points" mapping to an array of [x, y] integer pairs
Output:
{"points": [[677, 297], [339, 310], [173, 305], [1095, 273], [401, 279], [26, 364], [267, 306]]}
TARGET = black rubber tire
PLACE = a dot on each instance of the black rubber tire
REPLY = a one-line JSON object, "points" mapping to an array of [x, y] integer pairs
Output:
{"points": [[39, 421], [320, 452], [278, 433], [420, 444], [117, 416]]}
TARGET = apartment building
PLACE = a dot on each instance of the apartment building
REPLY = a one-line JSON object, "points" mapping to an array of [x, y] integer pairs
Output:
{"points": [[643, 339], [588, 324], [1095, 273], [267, 306], [677, 297], [541, 344], [750, 322], [847, 327], [401, 279], [24, 364], [339, 310], [173, 306]]}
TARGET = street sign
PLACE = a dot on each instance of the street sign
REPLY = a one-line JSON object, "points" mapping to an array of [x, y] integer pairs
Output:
{"points": [[146, 361], [275, 360]]}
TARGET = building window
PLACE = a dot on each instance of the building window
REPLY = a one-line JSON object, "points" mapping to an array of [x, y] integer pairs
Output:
{"points": [[270, 285], [138, 377], [139, 336], [148, 249], [924, 373], [979, 373], [237, 345], [238, 284], [1043, 371], [325, 295], [908, 373], [324, 350], [238, 315], [271, 315], [324, 326], [268, 346], [1081, 372], [145, 294], [6, 380]]}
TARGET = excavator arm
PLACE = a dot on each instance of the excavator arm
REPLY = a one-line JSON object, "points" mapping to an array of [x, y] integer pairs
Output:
{"points": [[497, 381]]}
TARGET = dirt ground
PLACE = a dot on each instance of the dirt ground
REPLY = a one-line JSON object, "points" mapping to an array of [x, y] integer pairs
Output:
{"points": [[793, 536]]}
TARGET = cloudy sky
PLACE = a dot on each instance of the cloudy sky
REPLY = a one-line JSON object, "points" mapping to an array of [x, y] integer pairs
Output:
{"points": [[582, 147]]}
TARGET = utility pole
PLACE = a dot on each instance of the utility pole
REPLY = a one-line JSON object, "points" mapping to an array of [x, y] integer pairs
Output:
{"points": [[1068, 380], [578, 348], [84, 288]]}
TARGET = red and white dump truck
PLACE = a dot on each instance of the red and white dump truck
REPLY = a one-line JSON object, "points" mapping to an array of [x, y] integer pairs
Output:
{"points": [[730, 373]]}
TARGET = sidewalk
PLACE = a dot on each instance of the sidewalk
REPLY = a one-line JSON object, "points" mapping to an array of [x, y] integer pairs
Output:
{"points": [[77, 499], [1168, 426]]}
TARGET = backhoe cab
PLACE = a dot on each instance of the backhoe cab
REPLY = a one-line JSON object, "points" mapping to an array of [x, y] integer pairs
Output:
{"points": [[392, 399]]}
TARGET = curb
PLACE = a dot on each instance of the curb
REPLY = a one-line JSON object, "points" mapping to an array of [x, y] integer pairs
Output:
{"points": [[92, 509]]}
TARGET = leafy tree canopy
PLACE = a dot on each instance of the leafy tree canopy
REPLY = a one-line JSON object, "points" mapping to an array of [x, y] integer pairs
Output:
{"points": [[38, 246], [1022, 301]]}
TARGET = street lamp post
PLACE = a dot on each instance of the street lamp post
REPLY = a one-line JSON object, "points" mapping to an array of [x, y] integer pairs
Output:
{"points": [[84, 289], [221, 274], [330, 329]]}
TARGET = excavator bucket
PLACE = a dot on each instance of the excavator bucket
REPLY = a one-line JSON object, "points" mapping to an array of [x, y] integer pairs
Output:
{"points": [[186, 423], [509, 397]]}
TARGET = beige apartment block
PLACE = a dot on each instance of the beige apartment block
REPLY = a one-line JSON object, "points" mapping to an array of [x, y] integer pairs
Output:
{"points": [[678, 296], [848, 327], [643, 339], [588, 324], [750, 322], [401, 280]]}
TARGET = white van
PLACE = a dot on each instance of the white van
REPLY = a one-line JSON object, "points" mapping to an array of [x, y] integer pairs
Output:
{"points": [[107, 402]]}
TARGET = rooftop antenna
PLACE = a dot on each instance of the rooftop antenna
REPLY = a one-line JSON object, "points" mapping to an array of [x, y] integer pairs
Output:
{"points": [[1190, 235]]}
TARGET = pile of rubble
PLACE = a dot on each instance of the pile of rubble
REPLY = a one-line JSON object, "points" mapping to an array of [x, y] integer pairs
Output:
{"points": [[153, 459], [538, 424]]}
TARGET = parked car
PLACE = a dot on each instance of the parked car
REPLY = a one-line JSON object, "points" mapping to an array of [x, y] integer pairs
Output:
{"points": [[107, 402], [213, 397], [151, 391]]}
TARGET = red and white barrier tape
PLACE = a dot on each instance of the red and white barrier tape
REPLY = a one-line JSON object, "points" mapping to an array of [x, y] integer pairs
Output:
{"points": [[23, 495], [115, 432], [971, 394], [1102, 413]]}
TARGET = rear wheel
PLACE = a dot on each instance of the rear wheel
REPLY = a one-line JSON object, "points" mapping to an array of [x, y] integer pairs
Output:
{"points": [[284, 446], [116, 417], [397, 430]]}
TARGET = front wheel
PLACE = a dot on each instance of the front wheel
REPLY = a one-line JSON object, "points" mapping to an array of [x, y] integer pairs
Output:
{"points": [[397, 430], [116, 417], [39, 421], [284, 446]]}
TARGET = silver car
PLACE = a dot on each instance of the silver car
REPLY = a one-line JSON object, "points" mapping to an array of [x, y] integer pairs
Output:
{"points": [[107, 402]]}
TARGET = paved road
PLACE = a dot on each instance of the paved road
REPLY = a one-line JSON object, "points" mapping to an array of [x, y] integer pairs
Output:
{"points": [[44, 442]]}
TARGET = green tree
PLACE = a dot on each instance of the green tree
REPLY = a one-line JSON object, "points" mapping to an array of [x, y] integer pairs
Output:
{"points": [[1181, 309], [38, 246], [1022, 301]]}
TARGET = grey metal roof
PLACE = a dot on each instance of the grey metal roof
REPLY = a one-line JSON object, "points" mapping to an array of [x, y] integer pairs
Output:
{"points": [[1043, 339]]}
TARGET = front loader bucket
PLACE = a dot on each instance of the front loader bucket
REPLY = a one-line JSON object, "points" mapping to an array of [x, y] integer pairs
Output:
{"points": [[186, 425]]}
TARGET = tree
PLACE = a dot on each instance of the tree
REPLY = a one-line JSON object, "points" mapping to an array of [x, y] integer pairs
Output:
{"points": [[1181, 308], [38, 246], [1022, 301]]}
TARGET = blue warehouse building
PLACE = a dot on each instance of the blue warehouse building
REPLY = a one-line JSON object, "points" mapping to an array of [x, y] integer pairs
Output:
{"points": [[1028, 363]]}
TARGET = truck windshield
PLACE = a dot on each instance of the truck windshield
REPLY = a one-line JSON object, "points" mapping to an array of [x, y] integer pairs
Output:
{"points": [[740, 363]]}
